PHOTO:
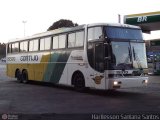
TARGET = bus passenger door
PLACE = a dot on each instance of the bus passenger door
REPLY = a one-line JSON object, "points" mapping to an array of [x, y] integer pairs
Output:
{"points": [[99, 76]]}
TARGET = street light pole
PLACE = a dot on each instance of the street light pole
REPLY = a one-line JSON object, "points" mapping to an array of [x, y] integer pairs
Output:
{"points": [[24, 22], [119, 18]]}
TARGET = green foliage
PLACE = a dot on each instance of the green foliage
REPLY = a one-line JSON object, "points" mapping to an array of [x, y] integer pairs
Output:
{"points": [[62, 23], [2, 50]]}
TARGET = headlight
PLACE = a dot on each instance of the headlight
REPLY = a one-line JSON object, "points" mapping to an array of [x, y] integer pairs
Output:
{"points": [[115, 82], [145, 81]]}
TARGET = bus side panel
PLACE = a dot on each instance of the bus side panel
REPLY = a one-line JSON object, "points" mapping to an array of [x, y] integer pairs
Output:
{"points": [[14, 63], [30, 71], [39, 69], [11, 69], [56, 66], [76, 63]]}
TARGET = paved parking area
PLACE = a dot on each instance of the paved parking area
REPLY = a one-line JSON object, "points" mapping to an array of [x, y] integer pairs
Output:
{"points": [[48, 100]]}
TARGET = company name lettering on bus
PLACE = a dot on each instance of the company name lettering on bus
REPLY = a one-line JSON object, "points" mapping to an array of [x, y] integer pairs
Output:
{"points": [[29, 58], [76, 58], [11, 59], [142, 19]]}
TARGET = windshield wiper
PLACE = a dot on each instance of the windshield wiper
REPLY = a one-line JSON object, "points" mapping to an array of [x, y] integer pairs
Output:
{"points": [[134, 54], [130, 55]]}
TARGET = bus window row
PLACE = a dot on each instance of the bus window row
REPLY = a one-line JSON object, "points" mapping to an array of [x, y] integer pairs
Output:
{"points": [[75, 39]]}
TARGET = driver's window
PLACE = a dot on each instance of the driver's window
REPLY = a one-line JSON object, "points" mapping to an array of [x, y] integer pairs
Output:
{"points": [[94, 33]]}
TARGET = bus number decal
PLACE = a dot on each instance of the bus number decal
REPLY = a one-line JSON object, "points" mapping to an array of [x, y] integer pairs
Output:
{"points": [[11, 58]]}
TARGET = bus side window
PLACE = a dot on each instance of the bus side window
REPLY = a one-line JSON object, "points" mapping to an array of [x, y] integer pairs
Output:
{"points": [[62, 41], [36, 45], [24, 46], [55, 42], [47, 43], [76, 39], [79, 39], [15, 47], [42, 44], [33, 45], [71, 40]]}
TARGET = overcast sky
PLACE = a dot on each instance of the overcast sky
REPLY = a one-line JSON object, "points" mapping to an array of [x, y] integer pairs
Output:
{"points": [[40, 14]]}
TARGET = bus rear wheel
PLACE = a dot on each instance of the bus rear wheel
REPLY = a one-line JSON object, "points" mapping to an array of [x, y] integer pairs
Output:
{"points": [[79, 82], [25, 77], [19, 76]]}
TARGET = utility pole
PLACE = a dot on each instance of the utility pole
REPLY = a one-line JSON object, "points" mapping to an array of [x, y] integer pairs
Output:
{"points": [[24, 22], [119, 18]]}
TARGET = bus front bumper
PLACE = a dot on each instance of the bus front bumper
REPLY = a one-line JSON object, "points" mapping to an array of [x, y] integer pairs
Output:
{"points": [[127, 82]]}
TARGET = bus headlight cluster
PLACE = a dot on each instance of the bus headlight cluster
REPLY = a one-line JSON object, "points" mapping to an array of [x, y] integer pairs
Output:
{"points": [[115, 83], [145, 81]]}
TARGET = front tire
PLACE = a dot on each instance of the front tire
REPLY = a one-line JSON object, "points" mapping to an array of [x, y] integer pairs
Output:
{"points": [[79, 82]]}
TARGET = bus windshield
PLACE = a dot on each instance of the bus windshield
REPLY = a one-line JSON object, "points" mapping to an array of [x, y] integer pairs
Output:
{"points": [[127, 48], [127, 55]]}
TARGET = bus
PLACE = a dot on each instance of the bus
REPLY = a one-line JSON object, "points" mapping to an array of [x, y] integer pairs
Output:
{"points": [[99, 56]]}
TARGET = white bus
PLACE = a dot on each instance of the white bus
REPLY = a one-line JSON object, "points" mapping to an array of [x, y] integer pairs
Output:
{"points": [[100, 56]]}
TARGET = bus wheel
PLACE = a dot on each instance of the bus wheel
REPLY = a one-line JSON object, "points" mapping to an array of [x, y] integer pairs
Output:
{"points": [[25, 77], [79, 82], [19, 76]]}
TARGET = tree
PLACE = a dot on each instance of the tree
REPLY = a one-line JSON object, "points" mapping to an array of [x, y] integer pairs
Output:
{"points": [[62, 23], [2, 50]]}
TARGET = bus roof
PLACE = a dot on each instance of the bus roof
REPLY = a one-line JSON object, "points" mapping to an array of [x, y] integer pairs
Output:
{"points": [[70, 29], [114, 25]]}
